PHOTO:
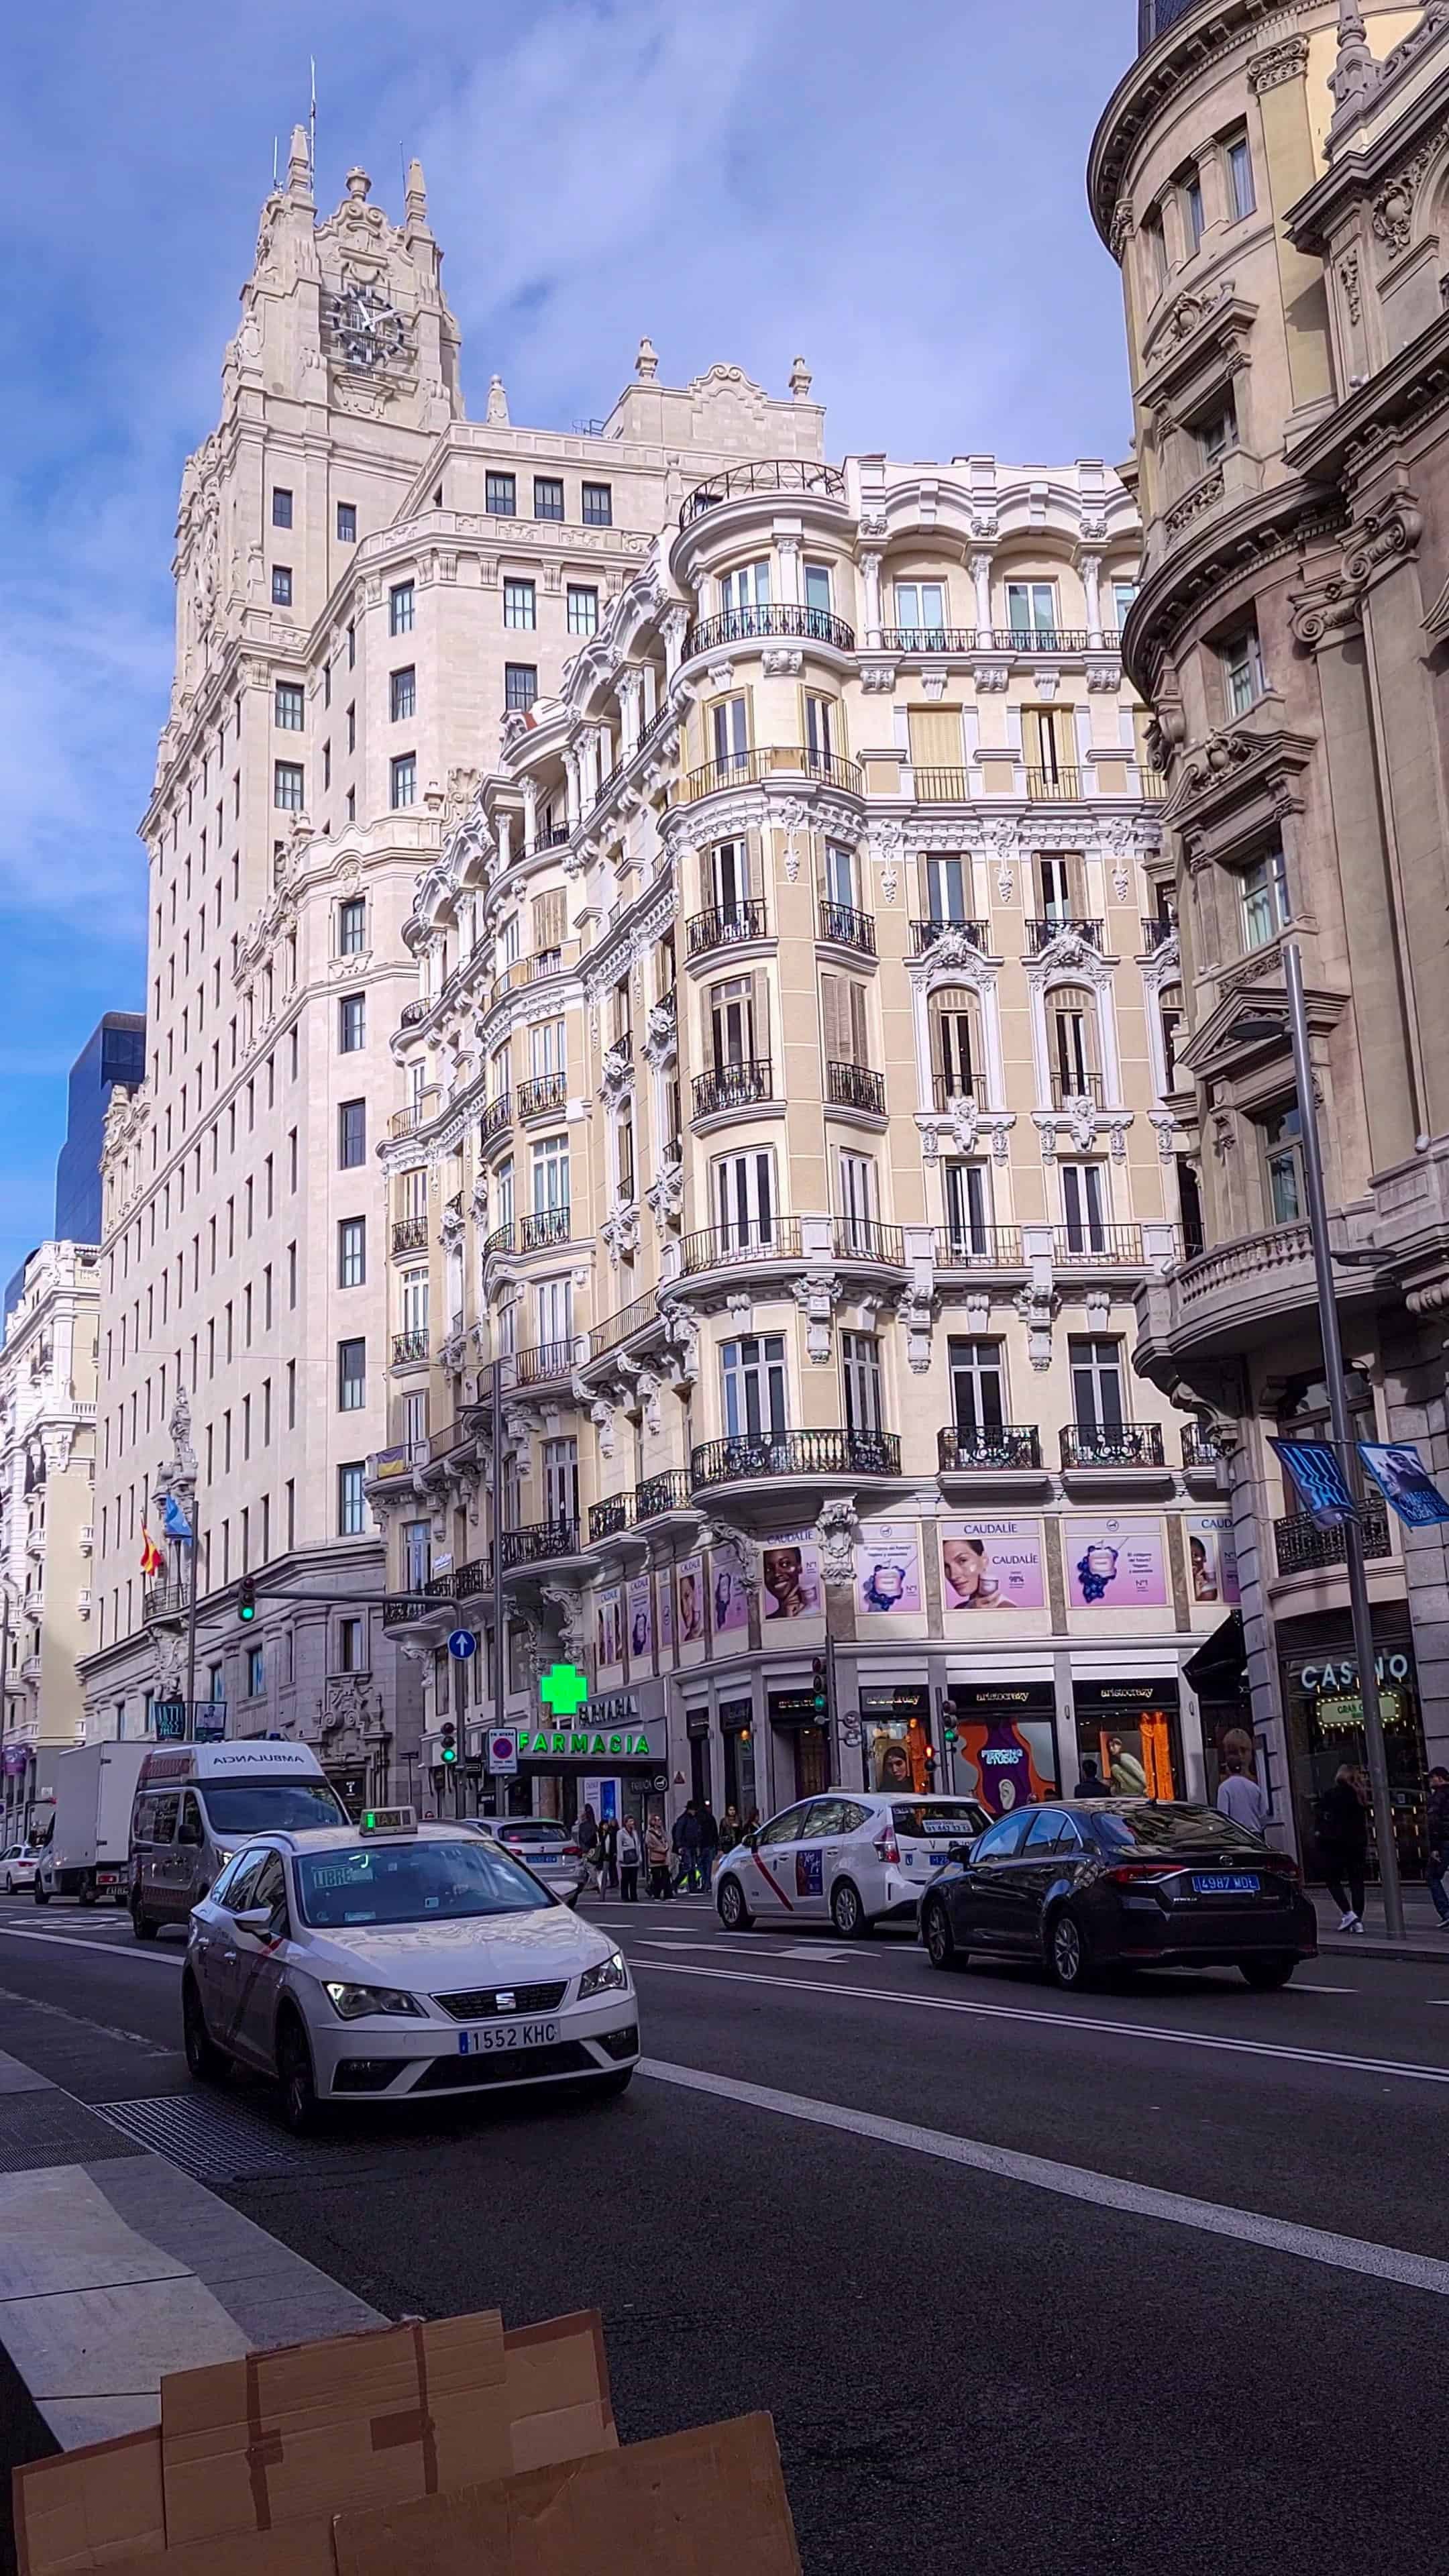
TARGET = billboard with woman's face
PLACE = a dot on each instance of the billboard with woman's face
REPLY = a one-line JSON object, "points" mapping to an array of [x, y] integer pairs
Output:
{"points": [[1212, 1559], [991, 1565], [790, 1579]]}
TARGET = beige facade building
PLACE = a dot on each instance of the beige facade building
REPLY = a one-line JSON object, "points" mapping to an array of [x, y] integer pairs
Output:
{"points": [[1274, 185], [47, 1512], [796, 1121]]}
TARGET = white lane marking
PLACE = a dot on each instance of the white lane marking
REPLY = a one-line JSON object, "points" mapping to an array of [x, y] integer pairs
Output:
{"points": [[85, 2021], [73, 1941], [1066, 2021], [1077, 2182], [1301, 1987]]}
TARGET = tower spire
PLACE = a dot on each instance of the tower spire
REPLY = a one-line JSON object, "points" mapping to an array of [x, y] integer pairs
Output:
{"points": [[1355, 75]]}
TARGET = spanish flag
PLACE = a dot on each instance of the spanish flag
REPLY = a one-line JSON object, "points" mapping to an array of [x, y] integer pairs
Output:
{"points": [[152, 1560]]}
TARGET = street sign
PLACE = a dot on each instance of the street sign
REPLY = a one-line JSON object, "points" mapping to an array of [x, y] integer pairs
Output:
{"points": [[462, 1645], [502, 1753]]}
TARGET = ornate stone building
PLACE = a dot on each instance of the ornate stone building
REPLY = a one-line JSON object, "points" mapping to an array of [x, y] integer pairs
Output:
{"points": [[47, 1538], [796, 1121], [1274, 184]]}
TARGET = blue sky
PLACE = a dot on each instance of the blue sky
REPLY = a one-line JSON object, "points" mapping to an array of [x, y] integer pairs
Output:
{"points": [[899, 198]]}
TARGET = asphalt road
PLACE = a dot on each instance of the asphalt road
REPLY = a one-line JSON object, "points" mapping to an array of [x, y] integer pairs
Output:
{"points": [[1156, 2276]]}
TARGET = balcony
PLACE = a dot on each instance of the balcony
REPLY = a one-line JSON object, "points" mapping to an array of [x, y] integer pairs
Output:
{"points": [[607, 1519], [658, 1495], [406, 1122], [847, 928], [545, 1227], [1098, 1247], [557, 837], [1005, 1446], [623, 1326], [747, 625], [163, 1602], [1067, 1089], [925, 934], [543, 1092], [539, 1544], [1040, 934], [1112, 1445], [772, 1454], [942, 786], [403, 1610], [726, 926], [727, 1247], [1040, 639], [928, 639], [795, 760], [410, 1234], [541, 968], [978, 1247], [1156, 933], [1235, 1297], [854, 1086], [788, 474], [1303, 1548], [412, 1012], [732, 1086], [547, 1360], [1151, 786], [500, 1240], [408, 1348], [1054, 787], [497, 1118], [862, 1238], [1202, 1451]]}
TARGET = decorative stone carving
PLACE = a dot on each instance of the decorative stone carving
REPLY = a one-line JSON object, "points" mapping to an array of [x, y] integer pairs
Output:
{"points": [[885, 847], [665, 1197], [1325, 614], [916, 1310], [617, 1070], [1348, 279], [1099, 1310], [724, 1539], [877, 679], [1285, 61], [1165, 1127], [817, 1295], [791, 816], [1217, 758], [781, 662], [1036, 1307], [837, 1530], [648, 1392], [681, 1335], [571, 1619], [601, 1414], [619, 1232], [1384, 538]]}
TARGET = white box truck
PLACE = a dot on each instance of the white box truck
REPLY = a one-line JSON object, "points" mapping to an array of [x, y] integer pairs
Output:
{"points": [[88, 1854]]}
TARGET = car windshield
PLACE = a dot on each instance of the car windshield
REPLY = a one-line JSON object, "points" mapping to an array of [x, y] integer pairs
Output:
{"points": [[1163, 1828], [413, 1883], [944, 1820], [237, 1808]]}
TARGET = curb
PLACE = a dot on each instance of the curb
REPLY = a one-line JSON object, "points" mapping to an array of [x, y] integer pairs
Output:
{"points": [[1368, 1945]]}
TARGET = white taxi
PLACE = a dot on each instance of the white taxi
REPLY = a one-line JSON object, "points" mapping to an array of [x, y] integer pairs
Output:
{"points": [[858, 1857], [399, 1962]]}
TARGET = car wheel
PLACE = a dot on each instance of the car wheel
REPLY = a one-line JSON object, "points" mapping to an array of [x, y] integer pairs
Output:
{"points": [[9, 1882], [208, 2063], [144, 1926], [939, 1939], [846, 1910], [1067, 1954], [42, 1895], [1266, 1975], [300, 2107], [734, 1913]]}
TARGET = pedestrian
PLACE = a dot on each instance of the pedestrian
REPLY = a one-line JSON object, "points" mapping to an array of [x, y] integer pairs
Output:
{"points": [[1342, 1823], [731, 1831], [589, 1844], [1438, 1828], [656, 1852], [628, 1848], [608, 1853], [708, 1843], [687, 1848], [751, 1826], [1091, 1783], [1239, 1795]]}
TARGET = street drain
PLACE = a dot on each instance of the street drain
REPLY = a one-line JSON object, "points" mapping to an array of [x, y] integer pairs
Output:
{"points": [[217, 2140], [48, 2127]]}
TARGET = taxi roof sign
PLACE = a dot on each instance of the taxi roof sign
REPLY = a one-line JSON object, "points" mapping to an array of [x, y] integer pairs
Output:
{"points": [[388, 1820]]}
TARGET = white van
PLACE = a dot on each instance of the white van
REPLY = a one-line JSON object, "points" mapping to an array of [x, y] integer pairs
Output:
{"points": [[195, 1806]]}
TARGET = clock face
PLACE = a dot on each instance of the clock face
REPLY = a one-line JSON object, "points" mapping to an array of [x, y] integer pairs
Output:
{"points": [[366, 331]]}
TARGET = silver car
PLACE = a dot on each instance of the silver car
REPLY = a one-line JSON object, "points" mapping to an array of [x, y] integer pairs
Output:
{"points": [[852, 1857], [548, 1849]]}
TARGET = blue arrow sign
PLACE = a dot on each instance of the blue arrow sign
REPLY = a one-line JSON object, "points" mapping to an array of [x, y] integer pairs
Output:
{"points": [[462, 1644]]}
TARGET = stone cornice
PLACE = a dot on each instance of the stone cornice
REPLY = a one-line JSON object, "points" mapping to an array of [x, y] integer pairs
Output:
{"points": [[1183, 589]]}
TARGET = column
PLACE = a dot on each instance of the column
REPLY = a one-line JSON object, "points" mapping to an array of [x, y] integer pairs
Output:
{"points": [[787, 548], [530, 818], [1090, 568], [980, 569], [676, 627], [571, 774], [631, 684], [870, 564]]}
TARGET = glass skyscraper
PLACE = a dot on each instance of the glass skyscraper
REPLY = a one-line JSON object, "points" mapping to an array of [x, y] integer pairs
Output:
{"points": [[114, 1052]]}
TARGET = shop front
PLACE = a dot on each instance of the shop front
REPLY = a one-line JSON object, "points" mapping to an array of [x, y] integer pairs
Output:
{"points": [[1132, 1731], [795, 1715], [612, 1757], [741, 1779], [1001, 1742], [1323, 1712], [895, 1737]]}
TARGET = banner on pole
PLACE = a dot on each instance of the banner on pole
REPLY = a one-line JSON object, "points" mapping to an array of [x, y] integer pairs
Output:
{"points": [[1404, 1481]]}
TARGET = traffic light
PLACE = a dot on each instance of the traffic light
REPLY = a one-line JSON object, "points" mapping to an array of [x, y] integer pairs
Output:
{"points": [[820, 1686], [246, 1600], [448, 1741]]}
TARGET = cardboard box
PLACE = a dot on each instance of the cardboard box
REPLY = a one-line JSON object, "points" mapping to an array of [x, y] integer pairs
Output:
{"points": [[706, 2503], [262, 2452]]}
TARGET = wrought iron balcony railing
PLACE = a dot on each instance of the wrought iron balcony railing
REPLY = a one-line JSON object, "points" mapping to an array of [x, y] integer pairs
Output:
{"points": [[1054, 787], [540, 1542], [855, 1086], [726, 925], [619, 1328], [795, 760], [1201, 1447], [1303, 1548], [667, 1492], [1073, 1086], [409, 1346], [545, 1360], [1114, 1247], [412, 1012], [1154, 17], [925, 934], [723, 1247], [1156, 932], [787, 474], [500, 1240], [1002, 1444], [542, 1091], [732, 1086], [544, 1227], [928, 639], [606, 1519], [1040, 934], [848, 928], [863, 1238], [1040, 639], [782, 617], [497, 1118], [978, 1247], [758, 1455], [1113, 1444], [942, 786], [410, 1234]]}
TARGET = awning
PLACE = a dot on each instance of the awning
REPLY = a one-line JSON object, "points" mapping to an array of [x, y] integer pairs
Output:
{"points": [[1220, 1664]]}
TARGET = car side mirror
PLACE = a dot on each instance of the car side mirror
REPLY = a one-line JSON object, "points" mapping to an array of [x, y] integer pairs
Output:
{"points": [[751, 1839], [191, 1837], [961, 1852], [257, 1920]]}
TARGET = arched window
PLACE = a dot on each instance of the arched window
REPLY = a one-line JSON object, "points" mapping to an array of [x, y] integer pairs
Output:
{"points": [[1072, 1042], [958, 1064]]}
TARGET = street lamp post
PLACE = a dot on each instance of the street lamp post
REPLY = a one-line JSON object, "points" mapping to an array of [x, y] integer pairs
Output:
{"points": [[1353, 1549]]}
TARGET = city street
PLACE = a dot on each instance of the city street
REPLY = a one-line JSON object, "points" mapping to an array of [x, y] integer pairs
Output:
{"points": [[1024, 2280]]}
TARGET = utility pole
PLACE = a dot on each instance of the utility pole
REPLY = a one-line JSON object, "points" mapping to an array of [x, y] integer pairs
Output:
{"points": [[500, 1643], [1353, 1549], [191, 1629]]}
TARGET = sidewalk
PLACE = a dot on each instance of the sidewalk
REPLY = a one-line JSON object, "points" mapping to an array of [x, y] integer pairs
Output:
{"points": [[1422, 1936]]}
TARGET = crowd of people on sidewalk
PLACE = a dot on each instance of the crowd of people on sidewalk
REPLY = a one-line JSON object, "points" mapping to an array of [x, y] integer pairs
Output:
{"points": [[676, 1861]]}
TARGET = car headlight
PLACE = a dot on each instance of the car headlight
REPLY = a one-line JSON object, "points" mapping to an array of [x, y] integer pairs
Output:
{"points": [[357, 2003], [609, 1972]]}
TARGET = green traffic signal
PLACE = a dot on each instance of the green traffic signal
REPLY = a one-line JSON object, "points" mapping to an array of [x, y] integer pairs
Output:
{"points": [[448, 1745], [246, 1600]]}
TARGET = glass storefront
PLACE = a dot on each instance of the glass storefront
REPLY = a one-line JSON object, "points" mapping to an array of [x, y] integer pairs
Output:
{"points": [[895, 1735], [736, 1725], [1005, 1748], [792, 1714], [1131, 1730], [1324, 1713]]}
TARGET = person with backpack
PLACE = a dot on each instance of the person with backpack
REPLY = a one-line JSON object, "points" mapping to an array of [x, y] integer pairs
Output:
{"points": [[1342, 1826]]}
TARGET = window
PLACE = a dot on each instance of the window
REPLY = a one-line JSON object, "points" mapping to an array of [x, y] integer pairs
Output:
{"points": [[351, 1657], [732, 1022], [415, 1418], [858, 1199], [743, 1198], [351, 1252], [351, 1376], [921, 607], [519, 604], [351, 1501], [415, 1301], [1169, 1015], [256, 1671], [347, 523], [1071, 1023], [583, 610], [351, 1025], [561, 1480], [281, 585], [978, 1386], [1282, 1144], [860, 1381], [404, 774], [352, 727], [352, 926], [351, 1135], [1155, 241], [1217, 431], [752, 1384], [968, 1210], [956, 1061], [548, 497], [287, 786], [1192, 207], [819, 733], [1083, 1207], [1123, 595], [417, 1554], [281, 508], [550, 1174], [842, 1012], [1242, 196], [947, 883], [400, 609], [840, 876], [1242, 663], [403, 694], [817, 588], [598, 505], [1264, 907], [1096, 1367], [500, 496], [288, 708], [520, 686], [1031, 607]]}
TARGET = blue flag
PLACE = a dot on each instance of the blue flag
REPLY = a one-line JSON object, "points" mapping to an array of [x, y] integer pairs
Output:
{"points": [[1319, 1479], [174, 1521]]}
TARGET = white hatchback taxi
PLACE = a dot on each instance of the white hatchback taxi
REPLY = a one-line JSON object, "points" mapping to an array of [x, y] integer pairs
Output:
{"points": [[858, 1857], [399, 1962]]}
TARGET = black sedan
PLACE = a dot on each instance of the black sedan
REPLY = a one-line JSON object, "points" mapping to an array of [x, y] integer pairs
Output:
{"points": [[1097, 1883]]}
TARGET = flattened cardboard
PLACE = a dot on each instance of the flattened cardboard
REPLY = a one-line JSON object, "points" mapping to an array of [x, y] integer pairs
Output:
{"points": [[88, 2508], [558, 2390], [704, 2503]]}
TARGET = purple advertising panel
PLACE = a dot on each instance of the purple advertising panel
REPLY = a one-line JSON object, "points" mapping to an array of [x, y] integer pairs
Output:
{"points": [[991, 1565], [1115, 1564]]}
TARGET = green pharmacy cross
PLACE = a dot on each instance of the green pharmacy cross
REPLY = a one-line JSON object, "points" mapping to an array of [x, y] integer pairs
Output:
{"points": [[564, 1689]]}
